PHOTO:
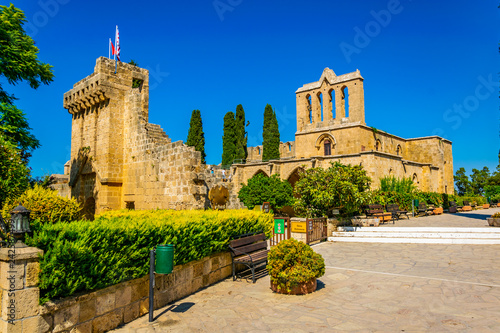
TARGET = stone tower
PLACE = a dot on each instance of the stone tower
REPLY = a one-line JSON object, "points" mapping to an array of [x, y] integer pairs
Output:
{"points": [[118, 159]]}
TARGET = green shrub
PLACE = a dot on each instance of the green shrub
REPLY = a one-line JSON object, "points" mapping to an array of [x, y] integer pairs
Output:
{"points": [[496, 215], [261, 188], [292, 262], [340, 186], [45, 205], [89, 255], [393, 184]]}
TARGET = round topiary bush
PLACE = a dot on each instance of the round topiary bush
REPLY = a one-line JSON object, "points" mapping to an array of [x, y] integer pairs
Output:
{"points": [[293, 267]]}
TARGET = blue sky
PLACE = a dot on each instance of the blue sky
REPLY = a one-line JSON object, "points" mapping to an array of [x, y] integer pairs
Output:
{"points": [[430, 68]]}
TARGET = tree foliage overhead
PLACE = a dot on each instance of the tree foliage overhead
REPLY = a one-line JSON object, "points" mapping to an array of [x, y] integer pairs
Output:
{"points": [[338, 187], [14, 174], [261, 188], [196, 136], [241, 135], [18, 62], [228, 139], [270, 135]]}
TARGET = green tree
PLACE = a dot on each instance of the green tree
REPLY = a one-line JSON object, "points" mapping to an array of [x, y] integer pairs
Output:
{"points": [[241, 134], [462, 182], [340, 186], [14, 174], [261, 188], [196, 137], [18, 62], [400, 185], [479, 180], [270, 135], [229, 140]]}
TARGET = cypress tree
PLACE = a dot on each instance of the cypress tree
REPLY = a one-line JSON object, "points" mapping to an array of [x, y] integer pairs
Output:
{"points": [[241, 135], [270, 135], [196, 137], [229, 139]]}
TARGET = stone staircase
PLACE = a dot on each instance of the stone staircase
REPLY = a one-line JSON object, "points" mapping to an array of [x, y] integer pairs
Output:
{"points": [[417, 235], [157, 134]]}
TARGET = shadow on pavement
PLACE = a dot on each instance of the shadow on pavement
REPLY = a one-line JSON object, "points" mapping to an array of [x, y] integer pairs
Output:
{"points": [[474, 216]]}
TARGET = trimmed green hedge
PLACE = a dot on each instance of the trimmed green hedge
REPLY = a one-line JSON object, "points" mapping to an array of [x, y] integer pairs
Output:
{"points": [[88, 255]]}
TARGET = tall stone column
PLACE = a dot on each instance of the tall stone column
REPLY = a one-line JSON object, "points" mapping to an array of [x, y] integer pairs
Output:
{"points": [[20, 311]]}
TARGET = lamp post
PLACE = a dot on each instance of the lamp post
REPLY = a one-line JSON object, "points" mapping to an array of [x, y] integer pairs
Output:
{"points": [[20, 224]]}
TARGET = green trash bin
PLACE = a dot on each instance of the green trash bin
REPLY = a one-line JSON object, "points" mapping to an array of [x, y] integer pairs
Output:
{"points": [[415, 203], [164, 259]]}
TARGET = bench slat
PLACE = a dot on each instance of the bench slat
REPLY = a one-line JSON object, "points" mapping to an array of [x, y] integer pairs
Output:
{"points": [[247, 240], [251, 248], [256, 257]]}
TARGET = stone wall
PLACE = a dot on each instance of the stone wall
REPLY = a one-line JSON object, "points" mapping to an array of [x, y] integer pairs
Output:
{"points": [[101, 310], [287, 150]]}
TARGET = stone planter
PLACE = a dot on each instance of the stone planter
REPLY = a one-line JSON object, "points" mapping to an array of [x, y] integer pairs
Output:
{"points": [[365, 222], [493, 222], [301, 289]]}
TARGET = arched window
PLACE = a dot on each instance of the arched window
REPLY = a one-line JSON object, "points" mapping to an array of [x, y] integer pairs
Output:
{"points": [[415, 178], [331, 93], [289, 147], [345, 100], [320, 102], [378, 145], [398, 150], [309, 108], [258, 150], [328, 147]]}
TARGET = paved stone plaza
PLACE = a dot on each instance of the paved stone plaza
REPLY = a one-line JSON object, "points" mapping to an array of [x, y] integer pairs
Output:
{"points": [[366, 288]]}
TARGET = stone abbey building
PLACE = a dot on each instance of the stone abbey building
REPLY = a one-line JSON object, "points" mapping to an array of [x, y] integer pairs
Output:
{"points": [[120, 160], [331, 127]]}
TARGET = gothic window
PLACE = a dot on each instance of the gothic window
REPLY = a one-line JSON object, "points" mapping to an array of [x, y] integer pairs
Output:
{"points": [[320, 102], [345, 100], [328, 147], [331, 93], [309, 108]]}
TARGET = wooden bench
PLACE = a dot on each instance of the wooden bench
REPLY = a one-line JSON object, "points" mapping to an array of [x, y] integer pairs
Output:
{"points": [[377, 211], [453, 207], [396, 212], [249, 250], [422, 208]]}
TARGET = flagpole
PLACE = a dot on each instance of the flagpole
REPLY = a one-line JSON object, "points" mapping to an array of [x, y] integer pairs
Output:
{"points": [[116, 61], [109, 53]]}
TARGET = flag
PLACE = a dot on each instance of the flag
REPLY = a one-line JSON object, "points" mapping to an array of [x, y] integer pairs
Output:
{"points": [[117, 43], [113, 51]]}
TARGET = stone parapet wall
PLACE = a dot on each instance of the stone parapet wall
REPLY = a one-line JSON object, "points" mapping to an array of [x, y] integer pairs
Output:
{"points": [[105, 309]]}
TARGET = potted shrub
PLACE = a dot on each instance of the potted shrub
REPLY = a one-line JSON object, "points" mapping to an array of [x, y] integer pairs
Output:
{"points": [[494, 220], [293, 268]]}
